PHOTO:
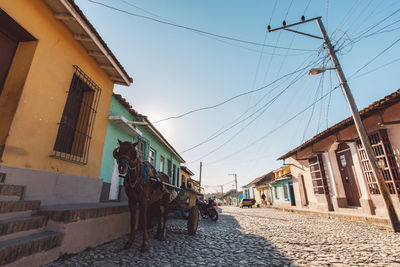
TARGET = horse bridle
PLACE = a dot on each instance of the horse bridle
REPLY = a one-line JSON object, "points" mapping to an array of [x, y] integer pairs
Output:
{"points": [[126, 159]]}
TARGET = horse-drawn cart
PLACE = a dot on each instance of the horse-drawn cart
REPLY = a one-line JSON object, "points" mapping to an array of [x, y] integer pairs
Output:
{"points": [[184, 201]]}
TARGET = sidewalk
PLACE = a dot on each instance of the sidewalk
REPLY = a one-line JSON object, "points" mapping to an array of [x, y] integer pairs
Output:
{"points": [[381, 221]]}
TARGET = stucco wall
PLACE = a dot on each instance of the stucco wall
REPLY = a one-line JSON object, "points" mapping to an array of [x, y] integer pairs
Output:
{"points": [[369, 203], [279, 190], [35, 125]]}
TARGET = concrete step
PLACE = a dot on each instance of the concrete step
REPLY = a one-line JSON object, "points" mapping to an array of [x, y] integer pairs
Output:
{"points": [[9, 208], [11, 192], [17, 248], [18, 226]]}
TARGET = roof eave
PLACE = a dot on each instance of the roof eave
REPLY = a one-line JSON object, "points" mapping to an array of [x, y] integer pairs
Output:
{"points": [[71, 12], [372, 109]]}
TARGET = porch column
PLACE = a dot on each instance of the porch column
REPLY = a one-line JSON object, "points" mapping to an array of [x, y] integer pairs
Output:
{"points": [[330, 173]]}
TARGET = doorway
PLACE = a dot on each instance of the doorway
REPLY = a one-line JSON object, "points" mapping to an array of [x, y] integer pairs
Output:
{"points": [[291, 191], [13, 40], [303, 192], [114, 188], [346, 168]]}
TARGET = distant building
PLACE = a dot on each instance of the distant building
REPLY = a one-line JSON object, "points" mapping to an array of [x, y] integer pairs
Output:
{"points": [[281, 188]]}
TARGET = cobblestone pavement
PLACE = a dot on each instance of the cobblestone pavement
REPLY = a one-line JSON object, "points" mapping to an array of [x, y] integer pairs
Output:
{"points": [[254, 237]]}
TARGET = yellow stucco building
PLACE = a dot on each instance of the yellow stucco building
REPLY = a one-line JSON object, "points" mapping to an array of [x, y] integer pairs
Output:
{"points": [[56, 82]]}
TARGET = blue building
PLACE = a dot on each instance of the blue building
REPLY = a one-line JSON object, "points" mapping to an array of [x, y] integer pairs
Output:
{"points": [[281, 188]]}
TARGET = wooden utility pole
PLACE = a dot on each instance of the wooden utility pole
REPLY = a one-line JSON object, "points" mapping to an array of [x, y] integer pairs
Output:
{"points": [[237, 195], [362, 133], [201, 166]]}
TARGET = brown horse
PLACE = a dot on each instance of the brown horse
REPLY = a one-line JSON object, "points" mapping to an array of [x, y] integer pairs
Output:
{"points": [[141, 191]]}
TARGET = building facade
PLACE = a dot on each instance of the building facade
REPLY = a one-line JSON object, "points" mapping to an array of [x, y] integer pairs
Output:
{"points": [[281, 188], [126, 124], [56, 81], [331, 172]]}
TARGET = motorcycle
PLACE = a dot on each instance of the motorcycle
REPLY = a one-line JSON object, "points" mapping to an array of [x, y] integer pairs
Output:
{"points": [[207, 210]]}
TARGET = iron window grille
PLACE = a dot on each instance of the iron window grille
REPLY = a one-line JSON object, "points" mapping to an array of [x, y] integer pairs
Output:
{"points": [[387, 162], [318, 176], [76, 125]]}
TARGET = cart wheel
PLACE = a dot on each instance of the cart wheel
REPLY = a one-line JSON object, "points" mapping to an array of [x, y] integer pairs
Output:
{"points": [[193, 220]]}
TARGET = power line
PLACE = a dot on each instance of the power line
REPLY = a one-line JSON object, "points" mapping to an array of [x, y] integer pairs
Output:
{"points": [[275, 129], [193, 29], [308, 107], [211, 37], [378, 55], [381, 66], [229, 99], [262, 109]]}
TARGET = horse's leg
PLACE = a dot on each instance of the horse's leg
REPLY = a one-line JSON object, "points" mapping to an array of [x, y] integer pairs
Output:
{"points": [[132, 209], [165, 216], [158, 234], [143, 216]]}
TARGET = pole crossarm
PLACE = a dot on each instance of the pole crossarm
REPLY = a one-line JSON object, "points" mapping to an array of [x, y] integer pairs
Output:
{"points": [[291, 25]]}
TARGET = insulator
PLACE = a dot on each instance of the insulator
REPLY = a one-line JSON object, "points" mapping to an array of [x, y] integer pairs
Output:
{"points": [[284, 23], [269, 27], [303, 18]]}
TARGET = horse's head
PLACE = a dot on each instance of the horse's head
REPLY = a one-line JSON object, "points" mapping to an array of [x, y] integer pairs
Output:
{"points": [[125, 155]]}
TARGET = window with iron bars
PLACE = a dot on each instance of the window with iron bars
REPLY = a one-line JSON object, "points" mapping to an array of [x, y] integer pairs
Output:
{"points": [[318, 176], [387, 162], [76, 125]]}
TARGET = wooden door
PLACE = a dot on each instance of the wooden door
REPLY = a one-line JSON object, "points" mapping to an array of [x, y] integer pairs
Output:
{"points": [[345, 162]]}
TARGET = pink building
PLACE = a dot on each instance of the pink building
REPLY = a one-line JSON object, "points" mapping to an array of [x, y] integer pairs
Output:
{"points": [[331, 173]]}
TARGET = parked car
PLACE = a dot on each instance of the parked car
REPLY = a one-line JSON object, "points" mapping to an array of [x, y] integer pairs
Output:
{"points": [[247, 202]]}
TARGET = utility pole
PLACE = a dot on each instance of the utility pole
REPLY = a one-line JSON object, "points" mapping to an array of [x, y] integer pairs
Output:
{"points": [[362, 133], [237, 195], [201, 166]]}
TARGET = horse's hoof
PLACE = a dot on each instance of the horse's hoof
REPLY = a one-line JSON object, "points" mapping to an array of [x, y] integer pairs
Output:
{"points": [[163, 237], [144, 248], [128, 245]]}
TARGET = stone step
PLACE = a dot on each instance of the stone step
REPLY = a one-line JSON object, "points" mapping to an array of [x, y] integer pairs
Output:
{"points": [[8, 191], [17, 248], [18, 206], [18, 226]]}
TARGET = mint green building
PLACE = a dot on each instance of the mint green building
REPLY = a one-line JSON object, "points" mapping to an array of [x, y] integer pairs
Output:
{"points": [[126, 124]]}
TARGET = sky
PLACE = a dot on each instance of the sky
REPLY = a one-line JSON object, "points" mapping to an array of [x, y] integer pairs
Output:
{"points": [[176, 70]]}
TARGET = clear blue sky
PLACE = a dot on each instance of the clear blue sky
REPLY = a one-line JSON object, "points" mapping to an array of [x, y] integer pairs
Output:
{"points": [[176, 70]]}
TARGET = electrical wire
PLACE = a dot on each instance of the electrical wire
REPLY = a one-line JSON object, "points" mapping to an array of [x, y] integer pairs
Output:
{"points": [[235, 122], [264, 108], [193, 29], [275, 129], [229, 99], [377, 68], [374, 58], [211, 37]]}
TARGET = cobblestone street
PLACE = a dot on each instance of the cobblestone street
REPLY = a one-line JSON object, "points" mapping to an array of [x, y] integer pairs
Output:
{"points": [[254, 237]]}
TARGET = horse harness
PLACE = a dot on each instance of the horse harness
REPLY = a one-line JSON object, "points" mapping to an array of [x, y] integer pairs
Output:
{"points": [[139, 170]]}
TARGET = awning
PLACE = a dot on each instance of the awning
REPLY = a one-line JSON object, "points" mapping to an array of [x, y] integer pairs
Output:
{"points": [[126, 125]]}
